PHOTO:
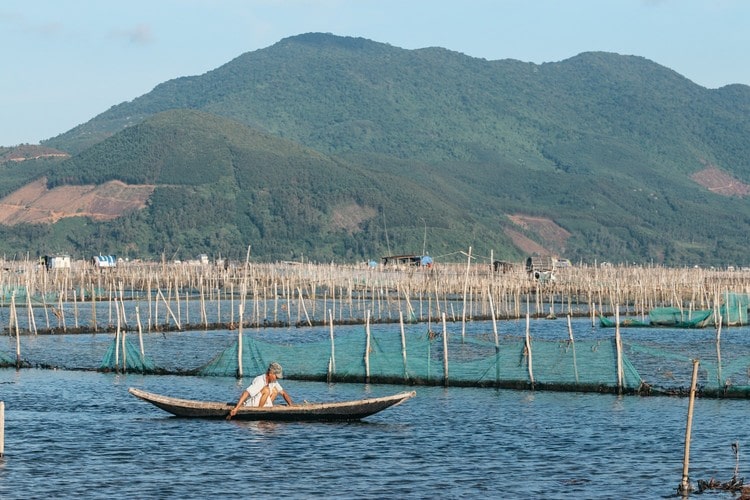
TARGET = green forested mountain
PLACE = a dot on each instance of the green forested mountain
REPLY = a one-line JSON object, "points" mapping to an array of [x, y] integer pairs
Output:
{"points": [[345, 148]]}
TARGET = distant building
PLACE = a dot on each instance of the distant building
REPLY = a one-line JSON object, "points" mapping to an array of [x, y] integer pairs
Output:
{"points": [[408, 260], [56, 261], [104, 261]]}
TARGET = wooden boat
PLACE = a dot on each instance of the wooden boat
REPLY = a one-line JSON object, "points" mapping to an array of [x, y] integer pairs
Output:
{"points": [[326, 412]]}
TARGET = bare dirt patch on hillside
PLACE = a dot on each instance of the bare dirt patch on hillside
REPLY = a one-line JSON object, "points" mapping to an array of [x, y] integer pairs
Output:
{"points": [[34, 203], [350, 217], [720, 182], [551, 236]]}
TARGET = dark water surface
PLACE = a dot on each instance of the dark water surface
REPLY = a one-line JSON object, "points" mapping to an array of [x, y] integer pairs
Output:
{"points": [[70, 434], [73, 433]]}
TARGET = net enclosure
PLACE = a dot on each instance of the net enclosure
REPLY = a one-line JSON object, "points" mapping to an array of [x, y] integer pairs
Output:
{"points": [[629, 364]]}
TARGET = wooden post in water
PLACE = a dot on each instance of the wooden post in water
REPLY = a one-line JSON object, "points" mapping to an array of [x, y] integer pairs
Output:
{"points": [[332, 364], [140, 332], [239, 343], [14, 318], [445, 352], [685, 487], [2, 428], [573, 345], [528, 345], [497, 339], [466, 284], [720, 380], [618, 346], [117, 345], [403, 346], [367, 348]]}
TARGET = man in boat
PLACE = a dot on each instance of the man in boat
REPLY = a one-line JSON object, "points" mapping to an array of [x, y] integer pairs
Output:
{"points": [[263, 390]]}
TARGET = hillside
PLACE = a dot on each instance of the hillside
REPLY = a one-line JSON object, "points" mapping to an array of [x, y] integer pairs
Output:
{"points": [[624, 157], [197, 183]]}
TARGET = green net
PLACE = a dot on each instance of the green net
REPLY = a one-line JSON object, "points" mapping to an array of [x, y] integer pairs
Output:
{"points": [[647, 363], [122, 355], [423, 359], [681, 318], [734, 309], [6, 360]]}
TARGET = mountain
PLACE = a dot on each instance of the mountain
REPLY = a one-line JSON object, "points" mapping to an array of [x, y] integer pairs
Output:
{"points": [[344, 148]]}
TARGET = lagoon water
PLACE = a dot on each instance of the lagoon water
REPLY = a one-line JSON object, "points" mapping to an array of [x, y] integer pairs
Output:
{"points": [[78, 433]]}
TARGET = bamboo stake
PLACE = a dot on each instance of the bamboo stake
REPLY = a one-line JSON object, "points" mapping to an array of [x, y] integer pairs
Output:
{"points": [[528, 347], [332, 364], [573, 345], [14, 318], [466, 284], [367, 348], [718, 354], [2, 428], [117, 344], [239, 342], [403, 345], [169, 309], [302, 301], [140, 332], [685, 486], [618, 345], [445, 352]]}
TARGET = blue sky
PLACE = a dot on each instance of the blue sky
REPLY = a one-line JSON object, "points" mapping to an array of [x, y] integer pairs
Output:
{"points": [[65, 61]]}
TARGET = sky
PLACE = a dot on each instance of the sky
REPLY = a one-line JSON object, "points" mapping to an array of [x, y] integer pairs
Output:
{"points": [[65, 61]]}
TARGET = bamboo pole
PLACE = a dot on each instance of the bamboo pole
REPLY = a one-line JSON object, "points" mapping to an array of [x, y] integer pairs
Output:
{"points": [[573, 345], [302, 302], [332, 363], [14, 319], [403, 346], [497, 339], [367, 348], [2, 428], [445, 352], [720, 380], [685, 486], [239, 342], [117, 344], [140, 333], [618, 346], [528, 347], [466, 285], [169, 309]]}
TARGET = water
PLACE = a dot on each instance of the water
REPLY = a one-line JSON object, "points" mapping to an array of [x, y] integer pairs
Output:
{"points": [[78, 433]]}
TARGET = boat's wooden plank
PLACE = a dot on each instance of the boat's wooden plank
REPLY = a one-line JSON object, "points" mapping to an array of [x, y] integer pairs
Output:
{"points": [[344, 410]]}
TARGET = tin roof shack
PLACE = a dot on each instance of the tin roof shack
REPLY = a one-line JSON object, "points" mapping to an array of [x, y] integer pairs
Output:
{"points": [[104, 261], [56, 261], [541, 268]]}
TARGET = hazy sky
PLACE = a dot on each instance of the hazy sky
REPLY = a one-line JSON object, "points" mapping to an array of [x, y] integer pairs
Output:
{"points": [[65, 61]]}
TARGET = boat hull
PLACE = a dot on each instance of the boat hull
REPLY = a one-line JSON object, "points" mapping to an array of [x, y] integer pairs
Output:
{"points": [[324, 412]]}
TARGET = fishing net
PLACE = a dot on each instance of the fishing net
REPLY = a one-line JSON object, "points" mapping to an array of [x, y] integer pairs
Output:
{"points": [[424, 359], [734, 309], [6, 360], [123, 356], [650, 360], [681, 318]]}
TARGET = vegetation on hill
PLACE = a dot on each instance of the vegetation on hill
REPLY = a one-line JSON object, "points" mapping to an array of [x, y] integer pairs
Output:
{"points": [[273, 148]]}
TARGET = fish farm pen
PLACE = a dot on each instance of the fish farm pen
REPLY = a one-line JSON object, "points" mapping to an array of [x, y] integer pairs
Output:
{"points": [[460, 324]]}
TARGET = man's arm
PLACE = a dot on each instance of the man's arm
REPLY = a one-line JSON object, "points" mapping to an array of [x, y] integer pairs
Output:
{"points": [[242, 400], [287, 398]]}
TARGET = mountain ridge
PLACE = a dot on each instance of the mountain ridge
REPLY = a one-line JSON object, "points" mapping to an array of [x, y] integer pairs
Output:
{"points": [[608, 147]]}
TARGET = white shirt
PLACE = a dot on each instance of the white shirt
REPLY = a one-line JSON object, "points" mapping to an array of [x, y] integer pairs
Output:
{"points": [[256, 386]]}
